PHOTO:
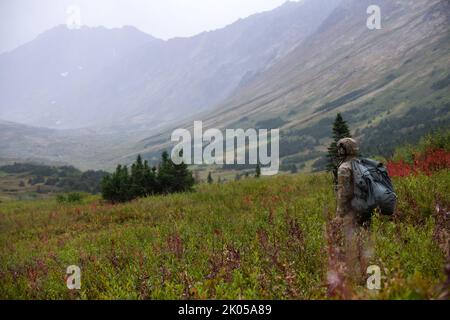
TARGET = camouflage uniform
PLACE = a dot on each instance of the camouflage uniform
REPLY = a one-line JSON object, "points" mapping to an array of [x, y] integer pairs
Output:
{"points": [[358, 245], [348, 149]]}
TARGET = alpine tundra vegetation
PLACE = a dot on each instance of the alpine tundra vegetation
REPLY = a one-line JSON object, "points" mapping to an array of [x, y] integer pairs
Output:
{"points": [[267, 238]]}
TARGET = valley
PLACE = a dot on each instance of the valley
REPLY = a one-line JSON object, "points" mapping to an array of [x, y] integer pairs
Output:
{"points": [[295, 76]]}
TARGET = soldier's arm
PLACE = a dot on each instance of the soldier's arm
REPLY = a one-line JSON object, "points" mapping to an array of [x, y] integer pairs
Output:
{"points": [[345, 190]]}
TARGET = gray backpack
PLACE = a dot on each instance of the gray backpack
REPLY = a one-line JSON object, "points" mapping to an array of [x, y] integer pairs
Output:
{"points": [[372, 188]]}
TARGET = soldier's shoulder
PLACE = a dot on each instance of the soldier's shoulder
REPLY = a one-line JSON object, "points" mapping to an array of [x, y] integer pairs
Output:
{"points": [[346, 166]]}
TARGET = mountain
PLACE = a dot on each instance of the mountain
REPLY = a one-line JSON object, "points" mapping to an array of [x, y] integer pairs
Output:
{"points": [[98, 77], [53, 80], [294, 67], [84, 148], [391, 84]]}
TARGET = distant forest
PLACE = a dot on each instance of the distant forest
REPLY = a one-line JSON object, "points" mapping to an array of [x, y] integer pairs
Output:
{"points": [[66, 178]]}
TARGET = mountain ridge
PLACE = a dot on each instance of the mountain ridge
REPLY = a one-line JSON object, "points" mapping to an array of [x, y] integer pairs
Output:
{"points": [[181, 75], [382, 81], [353, 87]]}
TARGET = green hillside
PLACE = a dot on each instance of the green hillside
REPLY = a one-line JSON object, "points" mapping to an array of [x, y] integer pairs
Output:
{"points": [[391, 85], [25, 181], [268, 238], [293, 68]]}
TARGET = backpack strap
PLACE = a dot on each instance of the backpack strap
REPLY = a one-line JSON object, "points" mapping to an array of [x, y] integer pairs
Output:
{"points": [[360, 183]]}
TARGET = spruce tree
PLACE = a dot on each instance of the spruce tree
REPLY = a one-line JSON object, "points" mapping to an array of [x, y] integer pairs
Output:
{"points": [[294, 169], [117, 187], [165, 174], [174, 177], [149, 179], [258, 171], [340, 131], [183, 179], [107, 188], [138, 178], [210, 178], [122, 186]]}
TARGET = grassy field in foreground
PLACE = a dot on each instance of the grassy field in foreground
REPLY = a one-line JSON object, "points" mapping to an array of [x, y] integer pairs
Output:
{"points": [[250, 239]]}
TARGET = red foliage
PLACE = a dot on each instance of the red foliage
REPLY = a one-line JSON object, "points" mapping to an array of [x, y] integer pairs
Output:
{"points": [[429, 162], [248, 200]]}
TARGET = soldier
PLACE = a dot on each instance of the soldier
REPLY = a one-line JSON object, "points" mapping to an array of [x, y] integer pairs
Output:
{"points": [[356, 252], [348, 150]]}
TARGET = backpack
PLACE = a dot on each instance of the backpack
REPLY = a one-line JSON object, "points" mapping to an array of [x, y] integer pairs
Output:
{"points": [[372, 188]]}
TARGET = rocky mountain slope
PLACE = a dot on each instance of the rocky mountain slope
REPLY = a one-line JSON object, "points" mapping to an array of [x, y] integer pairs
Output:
{"points": [[293, 68], [390, 84], [96, 77]]}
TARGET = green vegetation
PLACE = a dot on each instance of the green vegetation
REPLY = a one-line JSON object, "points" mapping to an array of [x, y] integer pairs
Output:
{"points": [[441, 84], [73, 197], [257, 238], [340, 131], [144, 181], [438, 140], [267, 238], [28, 180], [258, 171], [354, 95], [210, 178], [403, 129], [343, 100], [274, 123]]}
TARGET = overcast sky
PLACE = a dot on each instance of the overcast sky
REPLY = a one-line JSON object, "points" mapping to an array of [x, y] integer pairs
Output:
{"points": [[23, 20]]}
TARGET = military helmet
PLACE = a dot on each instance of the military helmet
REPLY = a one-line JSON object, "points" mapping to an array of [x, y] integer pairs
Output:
{"points": [[349, 146]]}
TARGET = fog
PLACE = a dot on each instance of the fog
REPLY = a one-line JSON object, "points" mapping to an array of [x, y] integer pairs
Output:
{"points": [[23, 20]]}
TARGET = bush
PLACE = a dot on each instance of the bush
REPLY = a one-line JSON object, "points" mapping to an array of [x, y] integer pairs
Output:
{"points": [[70, 198], [431, 155], [252, 239], [74, 197], [60, 198]]}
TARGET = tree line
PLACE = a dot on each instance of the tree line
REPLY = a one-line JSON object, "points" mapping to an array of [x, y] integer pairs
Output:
{"points": [[141, 180], [62, 178]]}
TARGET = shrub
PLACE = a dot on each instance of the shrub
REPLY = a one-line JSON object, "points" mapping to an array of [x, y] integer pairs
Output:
{"points": [[72, 197], [429, 162], [430, 155], [60, 198]]}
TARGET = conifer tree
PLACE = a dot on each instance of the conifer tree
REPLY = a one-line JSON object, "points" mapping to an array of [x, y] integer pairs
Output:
{"points": [[182, 178], [210, 178], [340, 131], [165, 174], [294, 169], [117, 187], [258, 171], [138, 183], [122, 186], [149, 179]]}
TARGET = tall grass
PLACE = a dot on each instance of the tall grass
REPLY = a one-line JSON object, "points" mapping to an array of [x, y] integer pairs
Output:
{"points": [[250, 239]]}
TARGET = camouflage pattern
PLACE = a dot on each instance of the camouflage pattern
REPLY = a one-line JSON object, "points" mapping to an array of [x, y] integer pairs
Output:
{"points": [[348, 150], [358, 245]]}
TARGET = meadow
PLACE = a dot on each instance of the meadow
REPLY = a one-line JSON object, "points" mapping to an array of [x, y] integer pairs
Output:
{"points": [[268, 238]]}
